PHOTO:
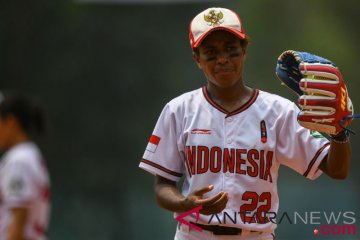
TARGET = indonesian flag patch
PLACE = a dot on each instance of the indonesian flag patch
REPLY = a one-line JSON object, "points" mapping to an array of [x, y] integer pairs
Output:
{"points": [[153, 143]]}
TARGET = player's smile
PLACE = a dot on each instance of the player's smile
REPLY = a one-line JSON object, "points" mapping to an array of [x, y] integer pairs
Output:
{"points": [[219, 68], [224, 70]]}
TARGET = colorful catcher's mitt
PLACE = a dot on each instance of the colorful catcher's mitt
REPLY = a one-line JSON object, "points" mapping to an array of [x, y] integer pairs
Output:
{"points": [[323, 97]]}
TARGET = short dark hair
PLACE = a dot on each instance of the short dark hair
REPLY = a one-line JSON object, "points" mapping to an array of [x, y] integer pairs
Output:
{"points": [[29, 114]]}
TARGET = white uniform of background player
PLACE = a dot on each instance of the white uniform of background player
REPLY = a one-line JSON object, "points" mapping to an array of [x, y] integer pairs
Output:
{"points": [[24, 183], [24, 179], [238, 152]]}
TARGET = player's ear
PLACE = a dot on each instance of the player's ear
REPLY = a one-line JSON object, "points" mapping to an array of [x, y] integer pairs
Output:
{"points": [[244, 45], [197, 58]]}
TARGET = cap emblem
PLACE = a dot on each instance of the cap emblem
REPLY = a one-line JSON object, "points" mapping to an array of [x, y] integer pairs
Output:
{"points": [[214, 19]]}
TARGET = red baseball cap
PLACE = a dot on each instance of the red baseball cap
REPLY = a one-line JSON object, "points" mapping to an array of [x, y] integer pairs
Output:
{"points": [[214, 19]]}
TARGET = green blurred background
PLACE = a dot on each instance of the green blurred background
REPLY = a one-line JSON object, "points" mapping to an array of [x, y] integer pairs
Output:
{"points": [[103, 72]]}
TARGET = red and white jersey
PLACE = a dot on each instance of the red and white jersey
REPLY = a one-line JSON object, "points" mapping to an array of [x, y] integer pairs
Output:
{"points": [[24, 183], [238, 152]]}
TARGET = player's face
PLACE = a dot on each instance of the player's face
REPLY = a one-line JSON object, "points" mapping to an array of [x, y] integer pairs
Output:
{"points": [[221, 57]]}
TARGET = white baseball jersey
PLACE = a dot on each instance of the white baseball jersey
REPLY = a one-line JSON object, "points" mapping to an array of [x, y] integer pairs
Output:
{"points": [[238, 152], [24, 183]]}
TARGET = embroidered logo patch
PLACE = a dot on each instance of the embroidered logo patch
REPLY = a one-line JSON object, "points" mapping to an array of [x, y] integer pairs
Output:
{"points": [[263, 131], [200, 131], [214, 18], [153, 143], [16, 186]]}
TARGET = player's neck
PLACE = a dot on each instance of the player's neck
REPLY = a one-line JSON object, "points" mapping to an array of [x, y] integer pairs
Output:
{"points": [[18, 138], [230, 98]]}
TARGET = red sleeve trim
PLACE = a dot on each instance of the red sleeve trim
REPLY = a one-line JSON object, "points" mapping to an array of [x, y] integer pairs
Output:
{"points": [[176, 174], [314, 159]]}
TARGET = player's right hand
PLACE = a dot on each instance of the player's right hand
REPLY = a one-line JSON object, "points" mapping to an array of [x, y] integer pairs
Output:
{"points": [[211, 205]]}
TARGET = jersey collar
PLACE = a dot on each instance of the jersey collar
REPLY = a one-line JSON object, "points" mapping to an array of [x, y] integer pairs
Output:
{"points": [[239, 110]]}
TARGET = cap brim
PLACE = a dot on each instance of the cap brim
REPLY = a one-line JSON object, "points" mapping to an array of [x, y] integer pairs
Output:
{"points": [[204, 35]]}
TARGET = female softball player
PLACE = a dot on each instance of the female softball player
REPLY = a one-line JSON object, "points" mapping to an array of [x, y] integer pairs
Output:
{"points": [[228, 140], [24, 179]]}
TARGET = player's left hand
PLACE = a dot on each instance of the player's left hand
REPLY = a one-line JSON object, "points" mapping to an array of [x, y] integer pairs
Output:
{"points": [[211, 205], [323, 97]]}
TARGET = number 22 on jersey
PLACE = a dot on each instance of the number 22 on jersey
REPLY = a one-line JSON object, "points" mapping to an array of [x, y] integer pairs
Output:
{"points": [[257, 204]]}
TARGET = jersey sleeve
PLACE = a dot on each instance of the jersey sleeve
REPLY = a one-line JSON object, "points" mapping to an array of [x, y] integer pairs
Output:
{"points": [[163, 154], [18, 184], [298, 148]]}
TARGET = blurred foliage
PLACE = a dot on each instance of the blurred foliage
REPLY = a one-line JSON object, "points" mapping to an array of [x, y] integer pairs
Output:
{"points": [[104, 72]]}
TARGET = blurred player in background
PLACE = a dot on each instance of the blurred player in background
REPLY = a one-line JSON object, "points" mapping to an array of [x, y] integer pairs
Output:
{"points": [[24, 179]]}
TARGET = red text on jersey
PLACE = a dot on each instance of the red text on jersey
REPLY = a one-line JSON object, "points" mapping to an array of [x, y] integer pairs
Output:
{"points": [[253, 162]]}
